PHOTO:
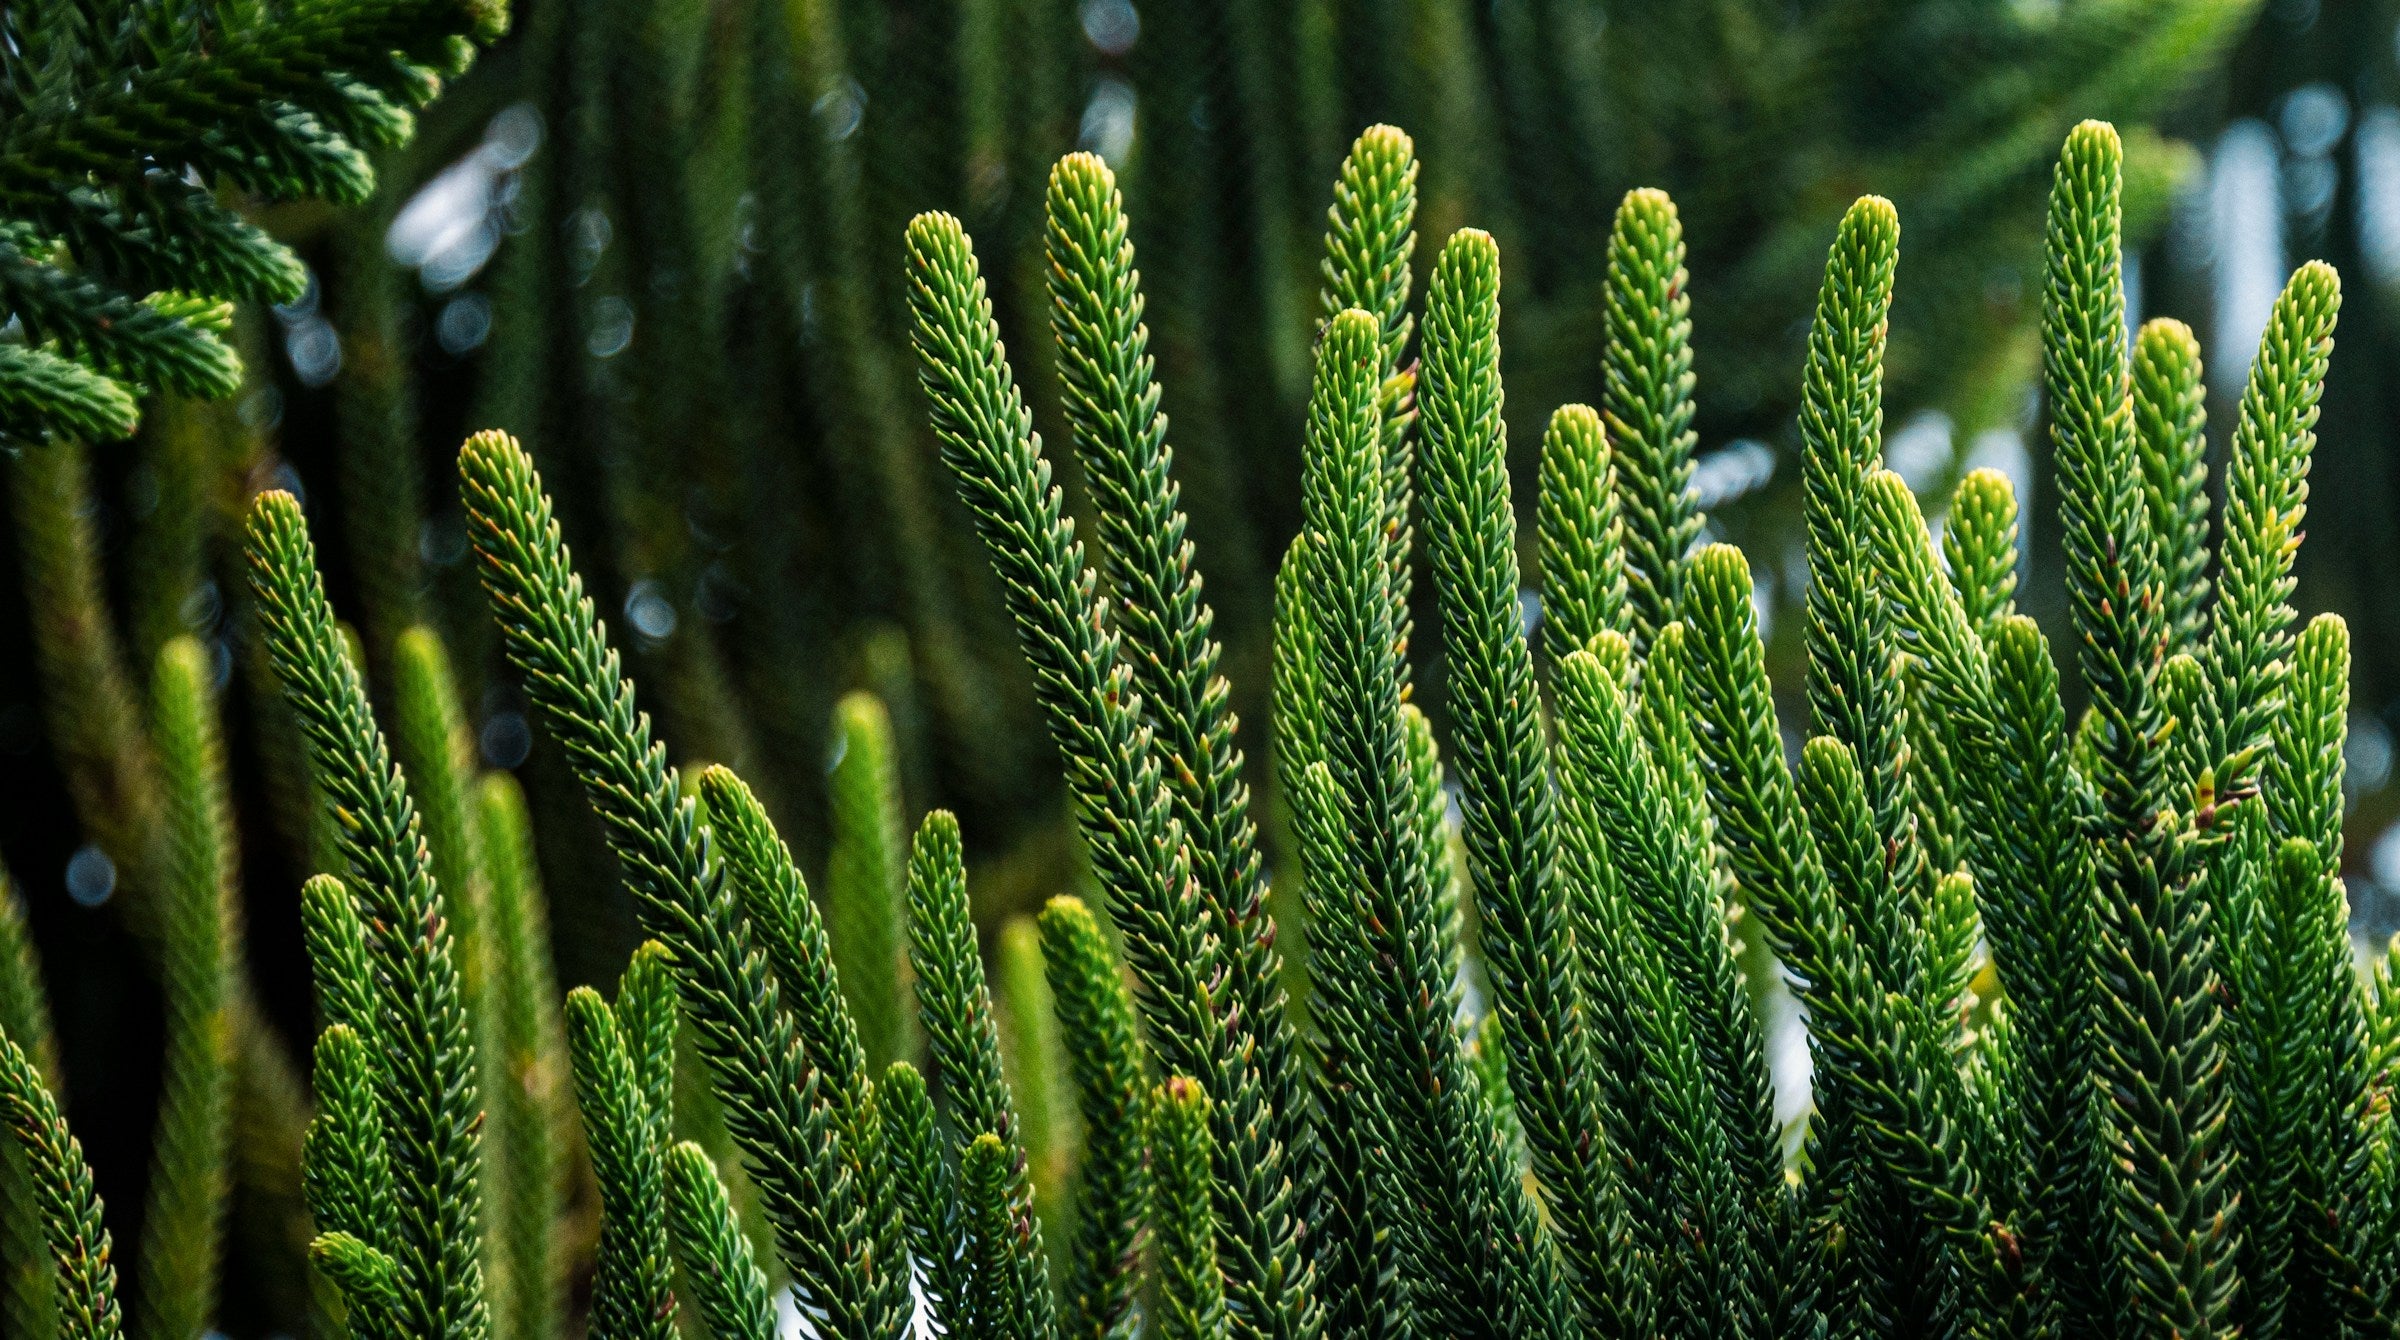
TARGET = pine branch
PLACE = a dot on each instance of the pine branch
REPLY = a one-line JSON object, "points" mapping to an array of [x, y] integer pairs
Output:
{"points": [[863, 878], [428, 1085], [928, 1190], [1528, 950], [999, 1223], [1853, 695], [1647, 403], [1473, 1239], [2161, 1060], [1166, 628], [962, 1046], [1112, 1194], [1123, 809], [183, 1226], [1370, 240], [85, 1292], [2170, 424], [1191, 1293], [842, 1246], [727, 1286], [2266, 503], [632, 1293], [1979, 542], [1582, 535]]}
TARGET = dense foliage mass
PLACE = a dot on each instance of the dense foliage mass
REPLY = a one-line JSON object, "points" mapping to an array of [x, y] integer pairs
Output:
{"points": [[2089, 1054]]}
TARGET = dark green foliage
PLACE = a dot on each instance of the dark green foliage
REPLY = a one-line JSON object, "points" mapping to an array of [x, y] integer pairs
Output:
{"points": [[2170, 419], [122, 122], [963, 1046], [25, 1020], [1470, 532], [1138, 848], [730, 1292]]}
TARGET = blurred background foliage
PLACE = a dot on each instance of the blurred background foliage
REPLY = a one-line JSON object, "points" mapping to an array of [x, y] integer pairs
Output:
{"points": [[659, 240]]}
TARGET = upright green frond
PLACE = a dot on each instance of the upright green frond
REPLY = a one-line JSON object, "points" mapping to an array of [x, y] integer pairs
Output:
{"points": [[1527, 944], [840, 1236], [998, 1221], [1647, 402], [348, 1164], [1191, 1293], [1852, 693], [336, 933], [2266, 504], [864, 875], [429, 1066], [1582, 536], [1370, 240], [2170, 423], [2171, 1255], [1148, 561], [1472, 1230], [633, 1292], [1979, 543], [183, 1228], [962, 1047], [85, 1291], [2303, 786], [775, 899], [1123, 808], [928, 1189], [1669, 872], [1112, 1192], [727, 1286]]}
